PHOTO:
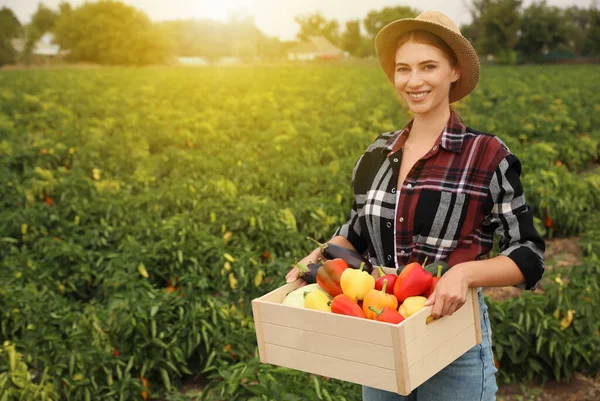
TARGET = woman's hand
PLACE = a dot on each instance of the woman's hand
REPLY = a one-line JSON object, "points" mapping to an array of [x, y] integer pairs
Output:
{"points": [[450, 292], [312, 257]]}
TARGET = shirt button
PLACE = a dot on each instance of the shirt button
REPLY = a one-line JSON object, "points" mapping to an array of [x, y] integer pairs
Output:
{"points": [[389, 224], [409, 186], [395, 160], [401, 252], [393, 190], [389, 257], [435, 147], [401, 219]]}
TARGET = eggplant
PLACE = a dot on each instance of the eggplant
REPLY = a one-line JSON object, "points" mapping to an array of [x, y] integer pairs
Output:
{"points": [[352, 258], [308, 273]]}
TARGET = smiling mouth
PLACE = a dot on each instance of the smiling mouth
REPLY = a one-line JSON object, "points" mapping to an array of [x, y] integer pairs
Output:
{"points": [[418, 95]]}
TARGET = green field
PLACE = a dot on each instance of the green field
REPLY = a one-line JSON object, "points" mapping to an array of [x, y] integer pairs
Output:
{"points": [[142, 209]]}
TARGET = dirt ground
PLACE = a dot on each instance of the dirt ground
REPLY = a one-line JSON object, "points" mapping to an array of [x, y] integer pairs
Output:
{"points": [[560, 253], [579, 388]]}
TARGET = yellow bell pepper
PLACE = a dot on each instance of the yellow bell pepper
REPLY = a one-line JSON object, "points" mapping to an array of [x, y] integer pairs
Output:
{"points": [[356, 283], [412, 305], [317, 300]]}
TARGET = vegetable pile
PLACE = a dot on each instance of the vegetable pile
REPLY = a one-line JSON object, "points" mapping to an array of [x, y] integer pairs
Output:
{"points": [[344, 287]]}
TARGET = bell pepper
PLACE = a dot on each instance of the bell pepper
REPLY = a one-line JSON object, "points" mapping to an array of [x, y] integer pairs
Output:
{"points": [[378, 299], [356, 283], [434, 282], [405, 269], [317, 300], [391, 279], [416, 282], [344, 305], [387, 315], [433, 267], [296, 297], [329, 275], [412, 305]]}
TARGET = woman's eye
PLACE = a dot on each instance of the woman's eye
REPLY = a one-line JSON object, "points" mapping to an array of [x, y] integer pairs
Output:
{"points": [[429, 67], [402, 69]]}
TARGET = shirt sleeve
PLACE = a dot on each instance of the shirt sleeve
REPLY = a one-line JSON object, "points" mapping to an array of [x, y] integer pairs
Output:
{"points": [[351, 230], [512, 220]]}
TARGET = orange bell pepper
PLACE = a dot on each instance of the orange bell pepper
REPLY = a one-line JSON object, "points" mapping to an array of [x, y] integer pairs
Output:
{"points": [[378, 299]]}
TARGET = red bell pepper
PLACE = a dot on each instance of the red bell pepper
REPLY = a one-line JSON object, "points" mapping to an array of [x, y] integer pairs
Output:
{"points": [[391, 278], [329, 275], [416, 282], [387, 315], [402, 275], [434, 282], [344, 305]]}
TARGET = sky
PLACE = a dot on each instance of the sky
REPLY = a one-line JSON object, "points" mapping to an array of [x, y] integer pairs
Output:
{"points": [[274, 17]]}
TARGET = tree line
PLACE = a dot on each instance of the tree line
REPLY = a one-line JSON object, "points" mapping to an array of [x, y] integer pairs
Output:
{"points": [[110, 32]]}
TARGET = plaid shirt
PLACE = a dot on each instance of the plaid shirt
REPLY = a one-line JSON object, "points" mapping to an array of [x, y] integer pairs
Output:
{"points": [[465, 189]]}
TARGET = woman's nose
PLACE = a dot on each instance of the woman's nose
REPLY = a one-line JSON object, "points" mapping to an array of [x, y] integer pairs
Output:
{"points": [[414, 80]]}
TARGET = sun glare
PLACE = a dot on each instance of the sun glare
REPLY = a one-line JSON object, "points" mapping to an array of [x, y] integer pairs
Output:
{"points": [[220, 9]]}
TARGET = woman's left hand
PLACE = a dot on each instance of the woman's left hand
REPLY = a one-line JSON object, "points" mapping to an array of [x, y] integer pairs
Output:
{"points": [[450, 292]]}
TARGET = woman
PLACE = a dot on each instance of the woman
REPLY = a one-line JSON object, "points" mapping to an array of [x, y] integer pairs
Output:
{"points": [[439, 189]]}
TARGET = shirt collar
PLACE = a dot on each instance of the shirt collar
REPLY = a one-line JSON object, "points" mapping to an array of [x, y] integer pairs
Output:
{"points": [[451, 138]]}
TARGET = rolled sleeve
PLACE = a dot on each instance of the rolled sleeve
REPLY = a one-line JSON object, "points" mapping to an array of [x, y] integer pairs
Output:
{"points": [[512, 220], [351, 230]]}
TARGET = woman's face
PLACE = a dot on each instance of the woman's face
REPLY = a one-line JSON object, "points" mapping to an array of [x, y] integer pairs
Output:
{"points": [[423, 77]]}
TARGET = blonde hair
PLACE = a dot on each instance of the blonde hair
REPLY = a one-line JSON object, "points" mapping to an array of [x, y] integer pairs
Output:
{"points": [[429, 38]]}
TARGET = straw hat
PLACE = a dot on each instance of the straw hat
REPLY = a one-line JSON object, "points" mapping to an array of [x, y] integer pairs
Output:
{"points": [[441, 25]]}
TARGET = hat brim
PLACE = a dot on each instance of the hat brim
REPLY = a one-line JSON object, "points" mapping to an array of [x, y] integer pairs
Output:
{"points": [[386, 39]]}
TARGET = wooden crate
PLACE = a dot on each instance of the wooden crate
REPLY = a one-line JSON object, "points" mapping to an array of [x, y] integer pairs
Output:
{"points": [[395, 358]]}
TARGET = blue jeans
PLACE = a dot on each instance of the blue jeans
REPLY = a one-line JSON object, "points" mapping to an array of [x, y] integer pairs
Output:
{"points": [[469, 378]]}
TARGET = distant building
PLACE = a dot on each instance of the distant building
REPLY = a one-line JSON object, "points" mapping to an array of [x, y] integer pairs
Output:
{"points": [[43, 47], [315, 48], [193, 60]]}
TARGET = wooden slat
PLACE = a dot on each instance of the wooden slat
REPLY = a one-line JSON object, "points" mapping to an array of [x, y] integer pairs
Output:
{"points": [[441, 331], [322, 344], [401, 365], [332, 367], [353, 328], [444, 356], [258, 327], [416, 326]]}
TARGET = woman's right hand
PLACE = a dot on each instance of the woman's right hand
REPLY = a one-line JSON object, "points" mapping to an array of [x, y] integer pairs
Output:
{"points": [[312, 257]]}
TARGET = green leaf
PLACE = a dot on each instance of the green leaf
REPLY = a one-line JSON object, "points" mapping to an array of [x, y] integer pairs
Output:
{"points": [[165, 378], [538, 344], [317, 387]]}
